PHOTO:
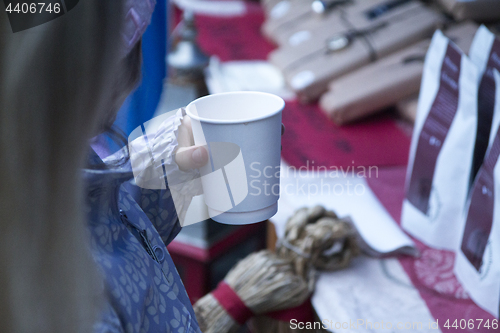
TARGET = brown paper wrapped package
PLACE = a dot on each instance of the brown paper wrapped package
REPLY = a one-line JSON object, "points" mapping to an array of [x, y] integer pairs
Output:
{"points": [[295, 52], [282, 15], [302, 20], [268, 5], [407, 108], [386, 81], [309, 75], [480, 10]]}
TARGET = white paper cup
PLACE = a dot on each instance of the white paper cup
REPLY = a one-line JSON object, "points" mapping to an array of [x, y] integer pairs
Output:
{"points": [[242, 131]]}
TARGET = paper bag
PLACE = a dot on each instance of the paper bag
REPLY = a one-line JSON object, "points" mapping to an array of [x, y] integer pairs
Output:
{"points": [[477, 263], [442, 146], [485, 54]]}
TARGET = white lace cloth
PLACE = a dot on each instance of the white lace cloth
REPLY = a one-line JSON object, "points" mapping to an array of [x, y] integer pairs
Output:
{"points": [[152, 157]]}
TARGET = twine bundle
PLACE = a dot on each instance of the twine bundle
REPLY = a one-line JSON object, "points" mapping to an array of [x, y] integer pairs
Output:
{"points": [[264, 282], [317, 240]]}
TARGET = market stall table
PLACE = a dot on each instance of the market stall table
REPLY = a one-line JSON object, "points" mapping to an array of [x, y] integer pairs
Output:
{"points": [[311, 140]]}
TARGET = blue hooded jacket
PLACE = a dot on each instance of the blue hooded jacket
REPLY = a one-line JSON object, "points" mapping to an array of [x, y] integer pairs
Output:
{"points": [[129, 229]]}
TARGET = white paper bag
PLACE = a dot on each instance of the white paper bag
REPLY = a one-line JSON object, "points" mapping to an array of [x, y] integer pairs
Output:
{"points": [[485, 54], [442, 146], [477, 264]]}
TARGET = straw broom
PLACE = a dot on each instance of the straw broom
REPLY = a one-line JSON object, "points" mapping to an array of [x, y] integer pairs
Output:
{"points": [[315, 240], [264, 282]]}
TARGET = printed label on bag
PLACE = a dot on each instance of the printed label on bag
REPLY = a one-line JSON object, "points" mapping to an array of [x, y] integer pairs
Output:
{"points": [[482, 199], [480, 215], [434, 132], [485, 107]]}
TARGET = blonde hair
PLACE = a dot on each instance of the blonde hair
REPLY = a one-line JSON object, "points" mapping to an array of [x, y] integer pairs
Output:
{"points": [[54, 83]]}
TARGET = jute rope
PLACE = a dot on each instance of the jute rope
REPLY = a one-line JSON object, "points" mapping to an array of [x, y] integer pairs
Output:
{"points": [[317, 240], [264, 282]]}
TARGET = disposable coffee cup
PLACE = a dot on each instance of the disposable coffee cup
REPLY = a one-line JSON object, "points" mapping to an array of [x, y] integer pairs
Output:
{"points": [[242, 133]]}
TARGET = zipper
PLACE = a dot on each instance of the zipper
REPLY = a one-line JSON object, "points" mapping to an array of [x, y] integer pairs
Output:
{"points": [[143, 236]]}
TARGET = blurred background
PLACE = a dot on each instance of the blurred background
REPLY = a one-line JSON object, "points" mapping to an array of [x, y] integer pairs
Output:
{"points": [[350, 72]]}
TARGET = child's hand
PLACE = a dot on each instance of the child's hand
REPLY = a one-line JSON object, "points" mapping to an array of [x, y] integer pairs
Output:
{"points": [[188, 156]]}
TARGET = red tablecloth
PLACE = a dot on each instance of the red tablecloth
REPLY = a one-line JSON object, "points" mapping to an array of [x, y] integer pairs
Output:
{"points": [[309, 135], [379, 141], [432, 273]]}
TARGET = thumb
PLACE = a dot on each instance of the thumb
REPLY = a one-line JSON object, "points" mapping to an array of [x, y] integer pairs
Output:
{"points": [[188, 158]]}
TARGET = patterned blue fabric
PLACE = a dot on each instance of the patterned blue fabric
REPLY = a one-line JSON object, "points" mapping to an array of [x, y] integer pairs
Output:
{"points": [[128, 228]]}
